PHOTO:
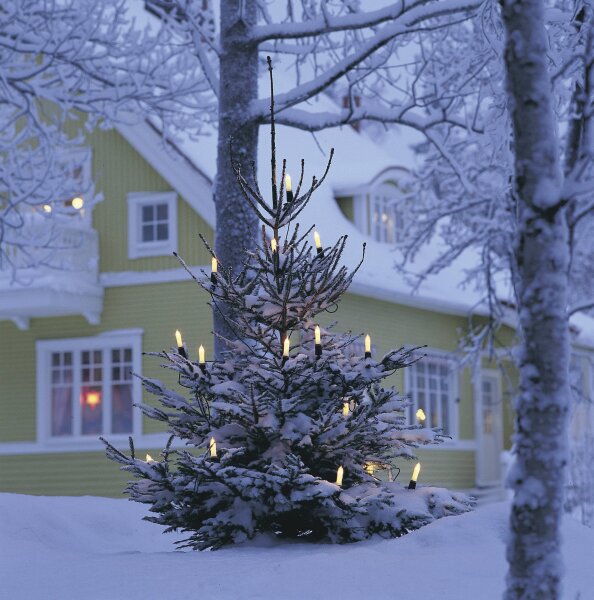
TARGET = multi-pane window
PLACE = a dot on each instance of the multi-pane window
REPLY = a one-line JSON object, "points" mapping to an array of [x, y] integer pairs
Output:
{"points": [[386, 214], [89, 390], [152, 223], [432, 387]]}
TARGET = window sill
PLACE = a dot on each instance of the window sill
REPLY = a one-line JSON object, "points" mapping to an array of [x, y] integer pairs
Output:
{"points": [[151, 249], [449, 445], [84, 444]]}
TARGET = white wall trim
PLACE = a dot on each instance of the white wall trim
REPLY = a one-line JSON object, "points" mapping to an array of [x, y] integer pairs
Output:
{"points": [[141, 442], [451, 445], [129, 278], [360, 213], [136, 247]]}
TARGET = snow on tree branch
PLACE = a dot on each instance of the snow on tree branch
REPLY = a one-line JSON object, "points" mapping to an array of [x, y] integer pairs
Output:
{"points": [[66, 67], [326, 23]]}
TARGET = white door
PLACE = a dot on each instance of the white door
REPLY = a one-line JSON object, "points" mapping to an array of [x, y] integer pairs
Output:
{"points": [[489, 429]]}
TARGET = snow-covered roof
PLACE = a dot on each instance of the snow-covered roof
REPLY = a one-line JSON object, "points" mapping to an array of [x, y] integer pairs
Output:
{"points": [[358, 162]]}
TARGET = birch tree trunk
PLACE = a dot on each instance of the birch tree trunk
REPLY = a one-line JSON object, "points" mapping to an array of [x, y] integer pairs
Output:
{"points": [[237, 223], [541, 279]]}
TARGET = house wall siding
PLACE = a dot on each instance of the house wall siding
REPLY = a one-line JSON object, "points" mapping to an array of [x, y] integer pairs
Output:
{"points": [[159, 309], [118, 169]]}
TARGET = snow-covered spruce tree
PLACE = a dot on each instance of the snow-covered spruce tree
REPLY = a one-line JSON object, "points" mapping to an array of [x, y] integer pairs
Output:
{"points": [[288, 426]]}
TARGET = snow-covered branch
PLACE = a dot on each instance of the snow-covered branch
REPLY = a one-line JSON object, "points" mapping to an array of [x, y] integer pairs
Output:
{"points": [[66, 67], [415, 12], [416, 19]]}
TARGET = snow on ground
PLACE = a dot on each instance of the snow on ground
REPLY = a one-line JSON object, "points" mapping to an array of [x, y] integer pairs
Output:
{"points": [[54, 548]]}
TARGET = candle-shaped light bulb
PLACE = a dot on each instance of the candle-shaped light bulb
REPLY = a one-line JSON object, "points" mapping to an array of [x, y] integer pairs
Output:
{"points": [[286, 347], [289, 187], [367, 346], [339, 475], [213, 270], [77, 203], [318, 339], [149, 458], [370, 468], [213, 448], [201, 356], [180, 343], [346, 409], [421, 415], [415, 475], [318, 243], [273, 245]]}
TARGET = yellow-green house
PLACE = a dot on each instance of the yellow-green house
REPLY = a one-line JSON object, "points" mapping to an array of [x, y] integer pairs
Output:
{"points": [[69, 337]]}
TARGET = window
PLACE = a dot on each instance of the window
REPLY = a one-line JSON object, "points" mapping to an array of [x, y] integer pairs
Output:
{"points": [[152, 224], [86, 387], [432, 386], [387, 221]]}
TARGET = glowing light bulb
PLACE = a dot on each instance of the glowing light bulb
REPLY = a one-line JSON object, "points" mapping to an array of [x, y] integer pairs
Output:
{"points": [[339, 475], [93, 399], [318, 339], [273, 245], [213, 270], [77, 203], [213, 448], [346, 409], [47, 208], [367, 346], [149, 458], [288, 184], [180, 344], [317, 241], [201, 354], [370, 468], [286, 346], [421, 415], [415, 475]]}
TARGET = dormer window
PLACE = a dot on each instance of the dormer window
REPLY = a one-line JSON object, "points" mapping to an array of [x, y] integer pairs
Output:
{"points": [[379, 208], [152, 224], [387, 222]]}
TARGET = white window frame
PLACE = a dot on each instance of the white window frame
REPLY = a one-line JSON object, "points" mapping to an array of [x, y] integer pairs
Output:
{"points": [[136, 247], [389, 204], [454, 374], [105, 341]]}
